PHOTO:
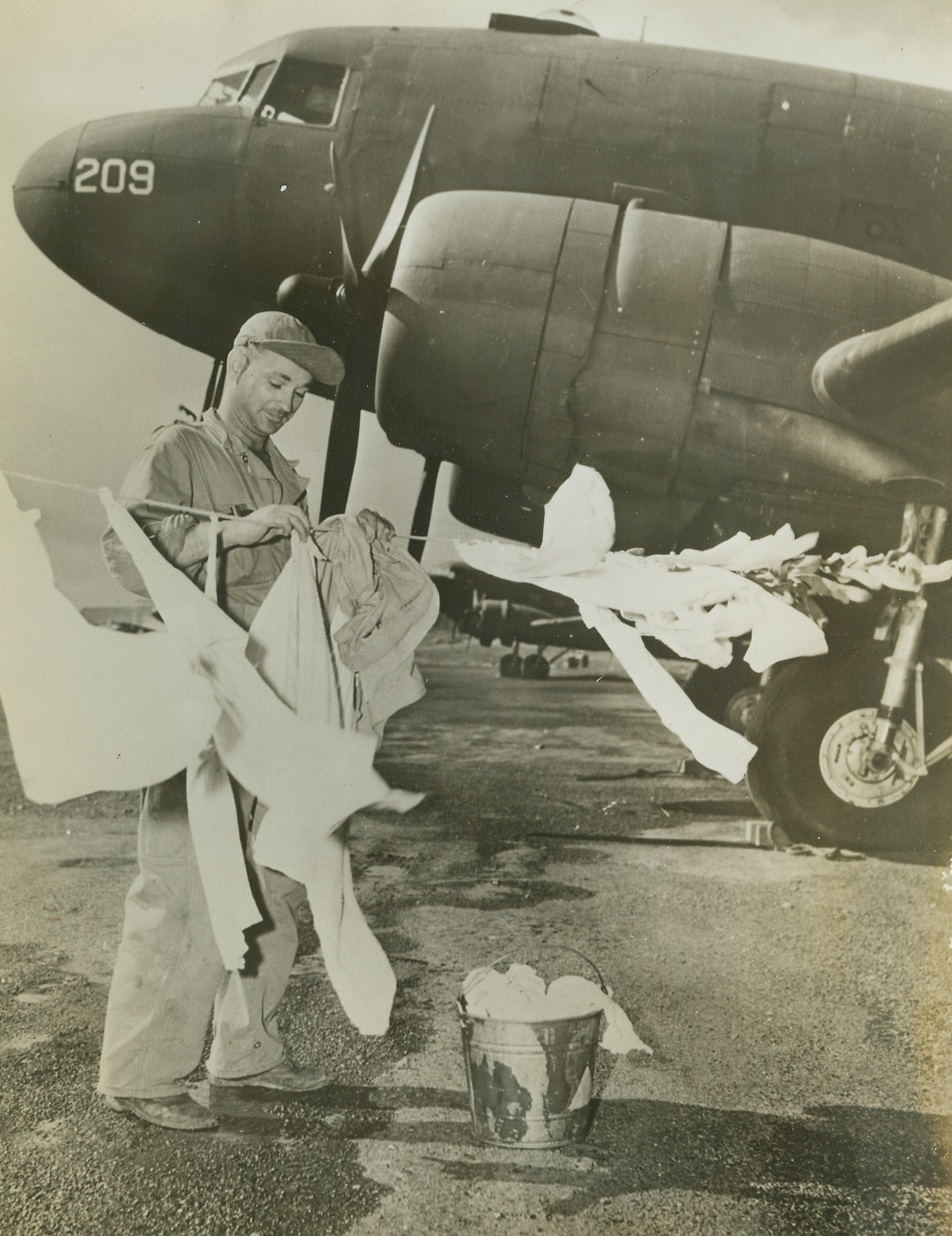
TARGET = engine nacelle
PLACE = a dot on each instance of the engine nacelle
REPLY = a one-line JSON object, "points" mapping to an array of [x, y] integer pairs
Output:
{"points": [[674, 354]]}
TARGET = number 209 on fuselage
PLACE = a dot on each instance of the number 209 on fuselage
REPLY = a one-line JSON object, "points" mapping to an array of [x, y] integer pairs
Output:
{"points": [[114, 176]]}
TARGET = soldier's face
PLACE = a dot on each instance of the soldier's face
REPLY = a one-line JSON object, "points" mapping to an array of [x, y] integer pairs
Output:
{"points": [[270, 389]]}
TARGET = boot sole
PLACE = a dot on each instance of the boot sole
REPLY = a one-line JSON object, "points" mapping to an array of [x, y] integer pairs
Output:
{"points": [[128, 1107]]}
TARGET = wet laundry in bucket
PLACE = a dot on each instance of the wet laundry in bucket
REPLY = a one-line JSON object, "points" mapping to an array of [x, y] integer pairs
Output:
{"points": [[521, 994]]}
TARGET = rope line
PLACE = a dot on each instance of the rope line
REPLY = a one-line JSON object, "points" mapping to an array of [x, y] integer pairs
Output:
{"points": [[187, 510]]}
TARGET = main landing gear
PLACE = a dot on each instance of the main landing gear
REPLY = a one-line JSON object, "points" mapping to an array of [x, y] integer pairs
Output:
{"points": [[536, 666], [855, 748]]}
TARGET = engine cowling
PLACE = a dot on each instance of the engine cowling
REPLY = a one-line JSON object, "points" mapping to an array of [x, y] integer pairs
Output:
{"points": [[674, 354]]}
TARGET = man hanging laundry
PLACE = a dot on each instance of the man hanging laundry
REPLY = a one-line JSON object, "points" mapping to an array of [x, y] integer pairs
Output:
{"points": [[169, 981]]}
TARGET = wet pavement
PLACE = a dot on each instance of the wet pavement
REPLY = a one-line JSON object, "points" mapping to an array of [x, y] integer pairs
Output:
{"points": [[798, 1008]]}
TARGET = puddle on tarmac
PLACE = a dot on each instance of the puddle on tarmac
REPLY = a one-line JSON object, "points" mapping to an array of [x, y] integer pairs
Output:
{"points": [[734, 809], [344, 1113]]}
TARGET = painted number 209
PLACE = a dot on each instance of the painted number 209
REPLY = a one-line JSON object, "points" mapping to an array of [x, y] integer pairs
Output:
{"points": [[114, 176]]}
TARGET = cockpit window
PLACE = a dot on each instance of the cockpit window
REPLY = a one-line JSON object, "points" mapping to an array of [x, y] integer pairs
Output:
{"points": [[239, 87], [225, 88], [305, 93]]}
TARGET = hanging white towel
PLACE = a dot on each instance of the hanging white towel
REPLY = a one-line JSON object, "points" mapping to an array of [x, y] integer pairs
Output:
{"points": [[213, 823]]}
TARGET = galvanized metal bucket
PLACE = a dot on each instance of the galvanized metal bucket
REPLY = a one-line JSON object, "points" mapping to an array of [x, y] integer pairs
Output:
{"points": [[530, 1082]]}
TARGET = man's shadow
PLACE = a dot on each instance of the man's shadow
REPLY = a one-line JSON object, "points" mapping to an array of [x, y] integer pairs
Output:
{"points": [[645, 1144]]}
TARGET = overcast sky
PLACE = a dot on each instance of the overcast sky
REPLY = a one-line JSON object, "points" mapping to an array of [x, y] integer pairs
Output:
{"points": [[83, 386]]}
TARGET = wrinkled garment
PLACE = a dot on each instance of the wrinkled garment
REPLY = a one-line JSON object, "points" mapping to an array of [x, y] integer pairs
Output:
{"points": [[573, 991], [124, 711], [694, 602], [386, 603], [281, 758], [291, 639], [663, 593], [88, 708], [579, 528], [904, 572], [520, 994], [714, 745], [214, 828]]}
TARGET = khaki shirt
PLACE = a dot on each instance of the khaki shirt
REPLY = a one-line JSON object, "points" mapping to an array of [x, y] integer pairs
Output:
{"points": [[203, 466]]}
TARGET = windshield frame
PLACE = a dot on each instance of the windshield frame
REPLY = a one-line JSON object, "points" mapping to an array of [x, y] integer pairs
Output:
{"points": [[231, 70]]}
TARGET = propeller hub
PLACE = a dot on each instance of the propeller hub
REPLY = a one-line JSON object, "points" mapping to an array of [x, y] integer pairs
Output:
{"points": [[316, 300]]}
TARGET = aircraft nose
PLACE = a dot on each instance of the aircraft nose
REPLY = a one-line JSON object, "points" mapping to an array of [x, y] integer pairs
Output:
{"points": [[41, 194]]}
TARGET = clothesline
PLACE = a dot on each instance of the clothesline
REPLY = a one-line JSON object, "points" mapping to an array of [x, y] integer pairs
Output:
{"points": [[189, 510]]}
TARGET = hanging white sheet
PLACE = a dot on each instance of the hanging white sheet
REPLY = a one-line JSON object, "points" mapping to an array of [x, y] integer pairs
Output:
{"points": [[309, 772], [696, 603], [88, 708]]}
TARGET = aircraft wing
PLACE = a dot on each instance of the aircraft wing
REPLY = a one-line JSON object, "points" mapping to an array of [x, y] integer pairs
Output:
{"points": [[544, 624]]}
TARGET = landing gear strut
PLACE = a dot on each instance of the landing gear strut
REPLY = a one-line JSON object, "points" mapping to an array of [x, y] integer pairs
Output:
{"points": [[855, 750]]}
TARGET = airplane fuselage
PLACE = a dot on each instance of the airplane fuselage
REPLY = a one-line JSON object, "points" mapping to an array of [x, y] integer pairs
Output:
{"points": [[188, 220]]}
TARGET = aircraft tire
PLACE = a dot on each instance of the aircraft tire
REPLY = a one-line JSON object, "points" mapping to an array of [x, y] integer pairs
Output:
{"points": [[725, 695], [510, 666], [536, 667], [811, 727]]}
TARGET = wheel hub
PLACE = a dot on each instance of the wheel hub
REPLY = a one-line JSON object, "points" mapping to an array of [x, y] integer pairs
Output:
{"points": [[740, 709], [860, 776]]}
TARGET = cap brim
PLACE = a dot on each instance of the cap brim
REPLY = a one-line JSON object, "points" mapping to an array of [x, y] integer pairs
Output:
{"points": [[323, 364]]}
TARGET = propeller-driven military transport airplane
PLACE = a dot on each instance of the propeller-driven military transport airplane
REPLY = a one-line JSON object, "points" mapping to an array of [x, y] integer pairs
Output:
{"points": [[724, 283]]}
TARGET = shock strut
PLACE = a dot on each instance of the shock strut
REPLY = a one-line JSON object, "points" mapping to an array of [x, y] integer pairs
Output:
{"points": [[923, 528]]}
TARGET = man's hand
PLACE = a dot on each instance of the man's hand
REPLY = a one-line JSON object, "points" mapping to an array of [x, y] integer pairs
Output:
{"points": [[266, 524], [375, 527]]}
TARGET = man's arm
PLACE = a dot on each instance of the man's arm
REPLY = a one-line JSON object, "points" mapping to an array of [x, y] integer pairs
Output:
{"points": [[185, 541], [162, 474]]}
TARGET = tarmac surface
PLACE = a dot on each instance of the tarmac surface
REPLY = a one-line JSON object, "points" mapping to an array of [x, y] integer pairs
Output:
{"points": [[798, 1008]]}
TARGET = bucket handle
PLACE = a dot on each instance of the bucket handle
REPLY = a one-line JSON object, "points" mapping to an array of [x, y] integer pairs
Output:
{"points": [[557, 948]]}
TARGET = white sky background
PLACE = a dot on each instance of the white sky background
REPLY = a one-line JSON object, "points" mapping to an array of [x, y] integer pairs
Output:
{"points": [[83, 386]]}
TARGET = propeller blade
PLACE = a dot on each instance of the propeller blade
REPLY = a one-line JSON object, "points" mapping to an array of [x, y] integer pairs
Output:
{"points": [[216, 380], [351, 278], [424, 508], [362, 297], [396, 215], [342, 446]]}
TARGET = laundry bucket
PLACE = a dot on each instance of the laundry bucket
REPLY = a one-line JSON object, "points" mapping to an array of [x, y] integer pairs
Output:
{"points": [[530, 1082]]}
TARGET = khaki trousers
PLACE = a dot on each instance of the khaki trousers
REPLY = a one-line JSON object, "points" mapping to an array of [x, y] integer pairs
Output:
{"points": [[169, 982]]}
